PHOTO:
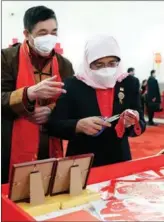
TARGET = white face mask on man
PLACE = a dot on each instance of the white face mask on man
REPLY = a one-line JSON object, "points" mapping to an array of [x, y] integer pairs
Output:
{"points": [[106, 77], [45, 44]]}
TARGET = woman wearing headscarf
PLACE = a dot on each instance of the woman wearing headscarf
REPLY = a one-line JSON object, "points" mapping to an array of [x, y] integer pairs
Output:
{"points": [[99, 90]]}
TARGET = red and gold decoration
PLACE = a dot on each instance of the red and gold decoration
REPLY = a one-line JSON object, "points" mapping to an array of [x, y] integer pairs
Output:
{"points": [[157, 61], [158, 58]]}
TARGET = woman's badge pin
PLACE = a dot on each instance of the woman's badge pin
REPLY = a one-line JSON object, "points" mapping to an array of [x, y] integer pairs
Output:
{"points": [[121, 96]]}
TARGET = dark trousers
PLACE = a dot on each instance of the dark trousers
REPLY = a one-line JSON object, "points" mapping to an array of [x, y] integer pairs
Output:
{"points": [[143, 104], [150, 114], [43, 152]]}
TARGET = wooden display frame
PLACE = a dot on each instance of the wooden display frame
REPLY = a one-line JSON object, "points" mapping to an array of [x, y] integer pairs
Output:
{"points": [[31, 181], [68, 173]]}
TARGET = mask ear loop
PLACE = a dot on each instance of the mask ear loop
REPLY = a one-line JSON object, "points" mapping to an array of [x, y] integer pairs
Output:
{"points": [[33, 45]]}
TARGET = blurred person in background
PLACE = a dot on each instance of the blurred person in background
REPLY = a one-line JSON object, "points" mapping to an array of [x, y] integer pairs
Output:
{"points": [[131, 71], [143, 91], [153, 97], [32, 75]]}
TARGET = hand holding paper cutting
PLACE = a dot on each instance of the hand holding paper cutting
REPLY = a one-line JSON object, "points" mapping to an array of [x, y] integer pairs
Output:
{"points": [[130, 117]]}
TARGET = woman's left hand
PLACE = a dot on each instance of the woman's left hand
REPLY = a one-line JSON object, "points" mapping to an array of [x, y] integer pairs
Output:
{"points": [[130, 117]]}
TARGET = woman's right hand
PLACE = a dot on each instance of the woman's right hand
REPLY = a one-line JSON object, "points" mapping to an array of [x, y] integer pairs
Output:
{"points": [[91, 125]]}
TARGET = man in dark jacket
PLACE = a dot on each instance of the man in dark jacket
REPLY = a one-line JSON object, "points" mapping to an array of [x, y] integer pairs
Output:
{"points": [[153, 98], [32, 74], [131, 72]]}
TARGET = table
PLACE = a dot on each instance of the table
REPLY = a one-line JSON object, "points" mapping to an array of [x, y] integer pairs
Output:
{"points": [[11, 212]]}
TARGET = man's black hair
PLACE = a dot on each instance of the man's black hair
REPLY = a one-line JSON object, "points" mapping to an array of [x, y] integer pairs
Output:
{"points": [[130, 70], [152, 72], [37, 14]]}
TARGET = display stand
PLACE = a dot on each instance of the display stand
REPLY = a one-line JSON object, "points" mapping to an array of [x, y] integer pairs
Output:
{"points": [[75, 181], [30, 181], [50, 185], [37, 196]]}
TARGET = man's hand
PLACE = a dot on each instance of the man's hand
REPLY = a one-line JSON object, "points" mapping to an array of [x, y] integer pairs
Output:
{"points": [[40, 115], [130, 117], [46, 89], [91, 125]]}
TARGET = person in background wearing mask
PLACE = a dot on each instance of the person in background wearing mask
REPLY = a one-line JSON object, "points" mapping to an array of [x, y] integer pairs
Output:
{"points": [[102, 90], [32, 75], [153, 98]]}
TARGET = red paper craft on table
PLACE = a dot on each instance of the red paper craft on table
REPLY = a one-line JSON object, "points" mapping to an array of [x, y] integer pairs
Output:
{"points": [[107, 192], [117, 212], [130, 210], [161, 171], [152, 189]]}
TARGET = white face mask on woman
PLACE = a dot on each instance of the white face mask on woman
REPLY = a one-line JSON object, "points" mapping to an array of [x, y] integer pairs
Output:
{"points": [[45, 44], [106, 77], [97, 48]]}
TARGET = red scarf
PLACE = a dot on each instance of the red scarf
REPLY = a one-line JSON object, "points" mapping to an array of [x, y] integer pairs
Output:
{"points": [[105, 101], [25, 135]]}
